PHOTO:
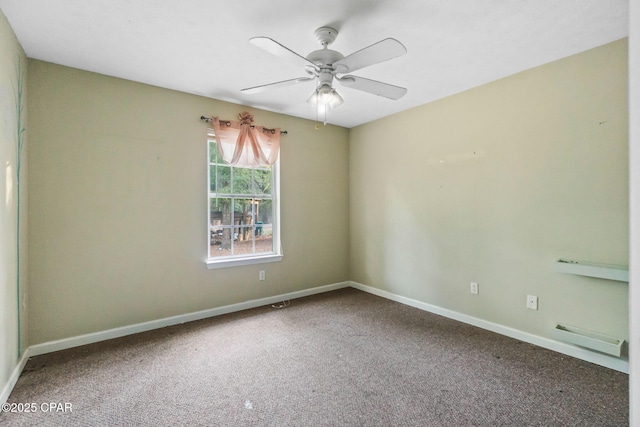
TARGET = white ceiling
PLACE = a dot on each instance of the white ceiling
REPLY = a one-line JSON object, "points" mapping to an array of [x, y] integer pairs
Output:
{"points": [[201, 46]]}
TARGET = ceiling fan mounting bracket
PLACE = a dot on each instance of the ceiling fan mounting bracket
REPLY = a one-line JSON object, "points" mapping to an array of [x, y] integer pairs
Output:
{"points": [[326, 35]]}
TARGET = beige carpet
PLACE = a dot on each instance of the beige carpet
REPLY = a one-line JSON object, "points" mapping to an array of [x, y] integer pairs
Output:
{"points": [[344, 358]]}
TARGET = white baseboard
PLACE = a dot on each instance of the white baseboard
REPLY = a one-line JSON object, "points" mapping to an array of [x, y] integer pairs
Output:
{"points": [[13, 379], [77, 341], [560, 347], [51, 346]]}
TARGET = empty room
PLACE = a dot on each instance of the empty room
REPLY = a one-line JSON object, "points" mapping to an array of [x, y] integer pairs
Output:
{"points": [[356, 212]]}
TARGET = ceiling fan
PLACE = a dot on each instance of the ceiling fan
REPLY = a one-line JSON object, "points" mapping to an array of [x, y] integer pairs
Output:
{"points": [[323, 65]]}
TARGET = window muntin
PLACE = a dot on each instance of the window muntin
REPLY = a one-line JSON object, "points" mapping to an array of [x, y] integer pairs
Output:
{"points": [[242, 210]]}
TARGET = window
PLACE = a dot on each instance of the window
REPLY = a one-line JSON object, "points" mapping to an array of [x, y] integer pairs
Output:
{"points": [[243, 212]]}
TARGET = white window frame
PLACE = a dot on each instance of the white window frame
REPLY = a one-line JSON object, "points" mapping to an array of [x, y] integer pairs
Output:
{"points": [[239, 260]]}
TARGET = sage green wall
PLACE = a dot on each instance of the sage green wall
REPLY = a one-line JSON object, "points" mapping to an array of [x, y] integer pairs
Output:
{"points": [[118, 218], [493, 185], [13, 65]]}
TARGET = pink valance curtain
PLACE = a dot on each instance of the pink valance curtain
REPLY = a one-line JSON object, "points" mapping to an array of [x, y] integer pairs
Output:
{"points": [[242, 144]]}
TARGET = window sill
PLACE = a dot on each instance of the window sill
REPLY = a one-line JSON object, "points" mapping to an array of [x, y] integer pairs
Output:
{"points": [[213, 263]]}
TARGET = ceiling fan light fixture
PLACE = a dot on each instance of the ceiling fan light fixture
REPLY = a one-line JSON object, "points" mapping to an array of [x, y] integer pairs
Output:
{"points": [[325, 96]]}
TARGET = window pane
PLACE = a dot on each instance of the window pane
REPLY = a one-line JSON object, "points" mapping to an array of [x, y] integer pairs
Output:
{"points": [[212, 178], [243, 241], [264, 238], [264, 230], [220, 211], [221, 231], [244, 211], [215, 212], [223, 180], [213, 152], [242, 181], [221, 243], [262, 181], [264, 211]]}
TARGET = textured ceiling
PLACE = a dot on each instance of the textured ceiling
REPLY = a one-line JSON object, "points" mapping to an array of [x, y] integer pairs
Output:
{"points": [[201, 46]]}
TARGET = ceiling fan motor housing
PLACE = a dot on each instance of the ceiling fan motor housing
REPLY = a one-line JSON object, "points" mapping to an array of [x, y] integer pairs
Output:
{"points": [[324, 58]]}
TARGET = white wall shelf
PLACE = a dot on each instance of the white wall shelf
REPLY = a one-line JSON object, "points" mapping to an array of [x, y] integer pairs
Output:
{"points": [[591, 269], [588, 339]]}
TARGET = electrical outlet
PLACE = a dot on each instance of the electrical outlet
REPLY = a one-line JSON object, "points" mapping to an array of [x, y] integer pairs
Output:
{"points": [[474, 288], [532, 302], [261, 275]]}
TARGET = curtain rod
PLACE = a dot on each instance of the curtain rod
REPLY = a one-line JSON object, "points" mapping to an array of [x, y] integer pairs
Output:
{"points": [[228, 123]]}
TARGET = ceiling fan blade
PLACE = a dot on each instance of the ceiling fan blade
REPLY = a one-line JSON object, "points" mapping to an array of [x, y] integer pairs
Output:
{"points": [[373, 86], [282, 83], [277, 49], [374, 54]]}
